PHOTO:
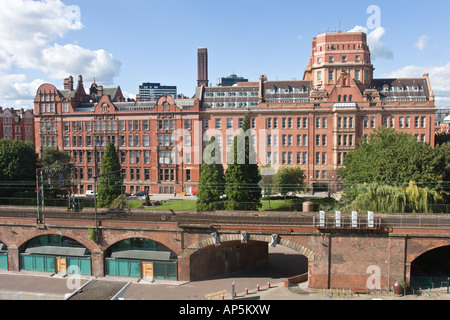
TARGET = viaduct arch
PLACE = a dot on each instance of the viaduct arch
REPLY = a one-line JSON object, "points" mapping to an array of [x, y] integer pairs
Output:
{"points": [[226, 253], [336, 258], [238, 237]]}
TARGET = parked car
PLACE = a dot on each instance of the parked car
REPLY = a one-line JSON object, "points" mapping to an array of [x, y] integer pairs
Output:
{"points": [[140, 194]]}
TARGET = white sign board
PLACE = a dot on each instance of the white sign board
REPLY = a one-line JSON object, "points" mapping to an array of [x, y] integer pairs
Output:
{"points": [[322, 218], [338, 219], [370, 219], [354, 219]]}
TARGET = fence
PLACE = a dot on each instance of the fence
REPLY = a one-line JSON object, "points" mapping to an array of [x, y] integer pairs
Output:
{"points": [[425, 283], [80, 203]]}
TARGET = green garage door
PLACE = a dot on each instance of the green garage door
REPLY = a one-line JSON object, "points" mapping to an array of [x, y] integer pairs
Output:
{"points": [[37, 263], [3, 261], [123, 268], [84, 264], [165, 270], [132, 268]]}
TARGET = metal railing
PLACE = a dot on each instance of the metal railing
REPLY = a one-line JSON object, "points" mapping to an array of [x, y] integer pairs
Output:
{"points": [[183, 213], [430, 283]]}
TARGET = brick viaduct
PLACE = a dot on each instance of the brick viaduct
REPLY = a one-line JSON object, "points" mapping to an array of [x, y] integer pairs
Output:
{"points": [[215, 244]]}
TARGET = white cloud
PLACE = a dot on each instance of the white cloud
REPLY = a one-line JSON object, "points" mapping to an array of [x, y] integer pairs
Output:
{"points": [[28, 34], [439, 78], [422, 42], [99, 64], [377, 48], [16, 87], [128, 95]]}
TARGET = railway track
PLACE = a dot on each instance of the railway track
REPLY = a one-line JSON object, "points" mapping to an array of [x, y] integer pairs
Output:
{"points": [[186, 218]]}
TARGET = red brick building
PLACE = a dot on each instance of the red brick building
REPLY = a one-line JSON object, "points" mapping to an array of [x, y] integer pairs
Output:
{"points": [[312, 123], [17, 124], [83, 124]]}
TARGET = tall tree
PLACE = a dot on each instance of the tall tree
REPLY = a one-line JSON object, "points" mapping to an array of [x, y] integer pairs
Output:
{"points": [[254, 175], [242, 176], [211, 185], [289, 179], [18, 164], [110, 182]]}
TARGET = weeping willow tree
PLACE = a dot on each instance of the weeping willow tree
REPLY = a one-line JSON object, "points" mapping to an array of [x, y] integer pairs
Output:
{"points": [[420, 200], [394, 199]]}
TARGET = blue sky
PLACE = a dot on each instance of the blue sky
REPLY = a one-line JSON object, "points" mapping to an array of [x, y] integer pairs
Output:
{"points": [[129, 42]]}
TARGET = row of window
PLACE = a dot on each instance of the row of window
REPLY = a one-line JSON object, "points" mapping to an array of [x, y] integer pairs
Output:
{"points": [[18, 121], [301, 158], [403, 122], [131, 157], [343, 58], [135, 174], [28, 137], [211, 94], [229, 123], [102, 141], [338, 47], [287, 90], [47, 108], [332, 75], [111, 125], [272, 123], [302, 140], [244, 104]]}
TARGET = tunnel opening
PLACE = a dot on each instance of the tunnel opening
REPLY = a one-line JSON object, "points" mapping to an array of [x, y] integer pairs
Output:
{"points": [[431, 269], [255, 259]]}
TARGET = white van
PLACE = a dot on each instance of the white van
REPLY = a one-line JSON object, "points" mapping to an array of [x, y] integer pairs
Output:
{"points": [[90, 193]]}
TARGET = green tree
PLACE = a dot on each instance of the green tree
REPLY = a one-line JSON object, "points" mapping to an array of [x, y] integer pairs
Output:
{"points": [[289, 179], [379, 173], [443, 150], [18, 164], [242, 176], [110, 183], [254, 175], [53, 157], [267, 182], [211, 185], [393, 158]]}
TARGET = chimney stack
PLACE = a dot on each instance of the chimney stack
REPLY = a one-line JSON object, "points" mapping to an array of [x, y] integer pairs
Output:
{"points": [[68, 83], [202, 67]]}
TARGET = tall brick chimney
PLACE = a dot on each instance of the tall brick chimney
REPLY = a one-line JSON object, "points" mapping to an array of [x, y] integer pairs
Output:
{"points": [[202, 67]]}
